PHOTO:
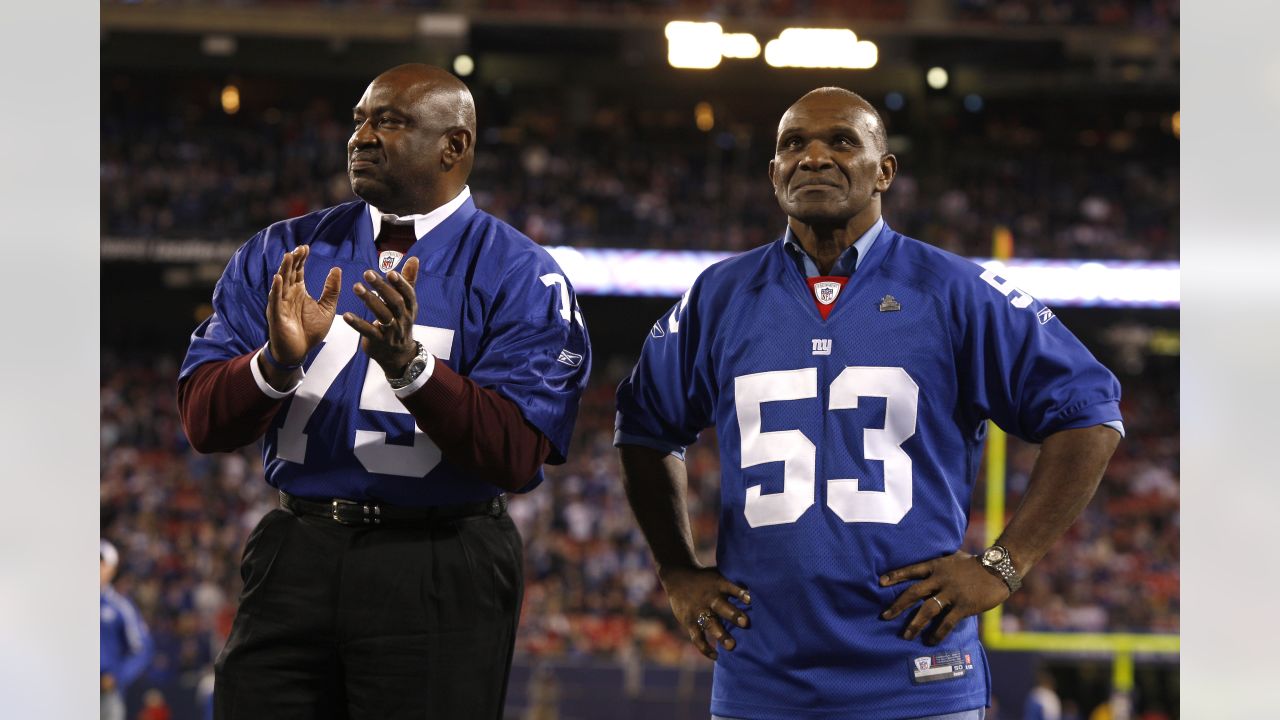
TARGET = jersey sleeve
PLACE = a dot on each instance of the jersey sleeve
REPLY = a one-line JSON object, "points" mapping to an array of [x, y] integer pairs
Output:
{"points": [[139, 643], [238, 324], [536, 352], [1022, 368], [668, 397]]}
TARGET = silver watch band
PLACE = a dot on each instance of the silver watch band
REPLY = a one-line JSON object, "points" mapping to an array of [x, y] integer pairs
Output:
{"points": [[1001, 568], [412, 370]]}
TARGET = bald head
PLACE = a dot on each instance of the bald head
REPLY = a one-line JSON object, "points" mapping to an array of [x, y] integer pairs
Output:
{"points": [[414, 139], [446, 98], [839, 98]]}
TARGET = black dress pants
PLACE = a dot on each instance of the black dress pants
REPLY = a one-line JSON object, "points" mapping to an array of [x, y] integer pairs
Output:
{"points": [[340, 622]]}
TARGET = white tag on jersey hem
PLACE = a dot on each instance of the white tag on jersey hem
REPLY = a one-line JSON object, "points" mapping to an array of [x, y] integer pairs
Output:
{"points": [[941, 666]]}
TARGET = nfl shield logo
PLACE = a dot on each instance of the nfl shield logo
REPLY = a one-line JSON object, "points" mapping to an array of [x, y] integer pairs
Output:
{"points": [[923, 663], [388, 259], [826, 292]]}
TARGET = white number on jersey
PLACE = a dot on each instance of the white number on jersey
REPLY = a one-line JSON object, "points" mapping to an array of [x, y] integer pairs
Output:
{"points": [[558, 280], [370, 447], [1020, 298], [798, 454], [673, 324]]}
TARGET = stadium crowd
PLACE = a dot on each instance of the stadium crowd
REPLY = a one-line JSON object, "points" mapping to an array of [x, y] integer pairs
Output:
{"points": [[180, 520], [1102, 183], [1136, 14]]}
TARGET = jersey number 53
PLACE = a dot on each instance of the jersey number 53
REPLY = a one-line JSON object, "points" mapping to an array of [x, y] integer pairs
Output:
{"points": [[798, 454]]}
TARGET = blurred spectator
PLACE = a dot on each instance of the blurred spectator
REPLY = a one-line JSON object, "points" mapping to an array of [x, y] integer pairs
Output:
{"points": [[154, 706], [1042, 702], [1136, 14], [1080, 181], [125, 644]]}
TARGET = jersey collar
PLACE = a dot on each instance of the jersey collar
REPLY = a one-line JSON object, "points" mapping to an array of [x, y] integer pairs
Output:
{"points": [[855, 253], [423, 223]]}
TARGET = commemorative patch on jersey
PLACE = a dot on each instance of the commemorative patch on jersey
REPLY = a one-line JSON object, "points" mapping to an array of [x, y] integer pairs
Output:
{"points": [[826, 290], [946, 665], [388, 259]]}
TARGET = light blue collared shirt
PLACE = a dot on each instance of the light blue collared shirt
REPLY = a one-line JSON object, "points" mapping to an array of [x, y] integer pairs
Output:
{"points": [[853, 255]]}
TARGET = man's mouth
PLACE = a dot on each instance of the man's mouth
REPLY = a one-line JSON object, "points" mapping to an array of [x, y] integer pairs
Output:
{"points": [[816, 183]]}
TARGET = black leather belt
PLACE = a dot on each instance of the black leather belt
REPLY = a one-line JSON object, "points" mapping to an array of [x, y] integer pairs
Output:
{"points": [[351, 512]]}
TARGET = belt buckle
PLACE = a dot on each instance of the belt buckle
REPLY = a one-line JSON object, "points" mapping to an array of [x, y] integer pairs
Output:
{"points": [[368, 514]]}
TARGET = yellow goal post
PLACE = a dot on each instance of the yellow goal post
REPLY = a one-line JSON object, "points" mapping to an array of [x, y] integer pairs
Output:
{"points": [[1121, 646]]}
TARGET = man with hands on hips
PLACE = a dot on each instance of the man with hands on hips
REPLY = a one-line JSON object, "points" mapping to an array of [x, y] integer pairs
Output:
{"points": [[850, 372], [393, 417]]}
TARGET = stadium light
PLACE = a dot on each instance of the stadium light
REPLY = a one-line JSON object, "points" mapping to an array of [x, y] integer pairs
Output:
{"points": [[743, 46], [937, 77], [230, 99], [463, 65], [821, 48], [704, 116], [702, 45], [694, 45]]}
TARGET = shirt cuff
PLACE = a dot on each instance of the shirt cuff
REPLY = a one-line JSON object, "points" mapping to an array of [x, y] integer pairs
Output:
{"points": [[622, 438], [419, 381], [265, 386], [1116, 425]]}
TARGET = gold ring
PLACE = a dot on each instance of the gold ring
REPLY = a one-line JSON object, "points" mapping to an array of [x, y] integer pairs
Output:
{"points": [[940, 605], [704, 617]]}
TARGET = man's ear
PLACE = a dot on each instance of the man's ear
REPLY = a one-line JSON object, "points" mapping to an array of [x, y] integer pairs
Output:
{"points": [[887, 171], [457, 144]]}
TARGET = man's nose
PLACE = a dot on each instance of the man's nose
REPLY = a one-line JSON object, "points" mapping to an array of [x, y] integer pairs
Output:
{"points": [[816, 157], [363, 135]]}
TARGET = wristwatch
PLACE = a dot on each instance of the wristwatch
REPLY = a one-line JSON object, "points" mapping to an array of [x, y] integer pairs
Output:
{"points": [[997, 561], [412, 370]]}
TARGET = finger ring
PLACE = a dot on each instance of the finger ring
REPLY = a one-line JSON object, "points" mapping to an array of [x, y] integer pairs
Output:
{"points": [[940, 605], [704, 617]]}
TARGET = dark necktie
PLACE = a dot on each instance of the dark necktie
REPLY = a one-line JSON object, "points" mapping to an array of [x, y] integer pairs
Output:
{"points": [[398, 237]]}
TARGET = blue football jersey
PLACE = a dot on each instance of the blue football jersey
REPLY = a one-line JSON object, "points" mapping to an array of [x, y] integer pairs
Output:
{"points": [[125, 645], [492, 304], [850, 447]]}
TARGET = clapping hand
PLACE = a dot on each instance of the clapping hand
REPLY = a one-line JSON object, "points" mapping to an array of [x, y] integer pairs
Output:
{"points": [[297, 322], [389, 340]]}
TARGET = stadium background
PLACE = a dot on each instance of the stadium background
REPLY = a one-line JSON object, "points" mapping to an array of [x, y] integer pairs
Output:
{"points": [[1056, 137]]}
